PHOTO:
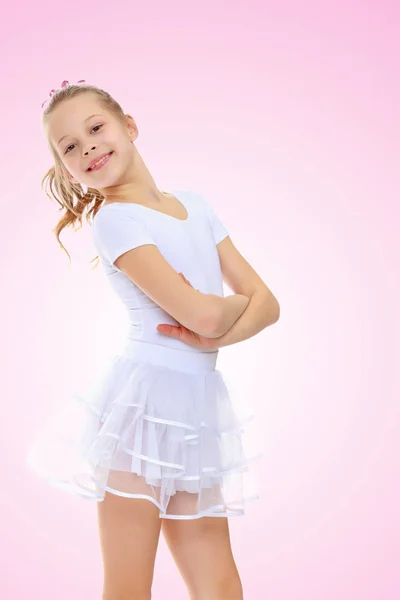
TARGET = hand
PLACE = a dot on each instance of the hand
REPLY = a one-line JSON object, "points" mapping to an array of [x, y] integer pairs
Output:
{"points": [[185, 335]]}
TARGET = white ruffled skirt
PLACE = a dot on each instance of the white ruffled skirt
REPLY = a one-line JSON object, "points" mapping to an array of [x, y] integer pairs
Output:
{"points": [[157, 424]]}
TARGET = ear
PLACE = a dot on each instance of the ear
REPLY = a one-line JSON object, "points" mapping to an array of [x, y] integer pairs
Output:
{"points": [[132, 128]]}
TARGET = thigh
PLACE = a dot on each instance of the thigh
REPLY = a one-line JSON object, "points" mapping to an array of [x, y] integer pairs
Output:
{"points": [[202, 551], [129, 530]]}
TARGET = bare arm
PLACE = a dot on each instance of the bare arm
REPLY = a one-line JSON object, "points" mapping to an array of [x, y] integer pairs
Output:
{"points": [[231, 308], [263, 308], [261, 312], [208, 315]]}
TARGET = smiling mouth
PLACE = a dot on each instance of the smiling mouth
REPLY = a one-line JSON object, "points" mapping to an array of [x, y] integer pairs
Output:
{"points": [[100, 162]]}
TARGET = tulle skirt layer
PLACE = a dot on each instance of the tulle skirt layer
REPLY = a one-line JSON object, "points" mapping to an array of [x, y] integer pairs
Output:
{"points": [[158, 424]]}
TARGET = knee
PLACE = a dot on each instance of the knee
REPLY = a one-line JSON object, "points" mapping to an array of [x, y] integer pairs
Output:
{"points": [[231, 589], [226, 588]]}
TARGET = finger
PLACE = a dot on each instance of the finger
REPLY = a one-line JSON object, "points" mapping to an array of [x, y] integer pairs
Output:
{"points": [[170, 330]]}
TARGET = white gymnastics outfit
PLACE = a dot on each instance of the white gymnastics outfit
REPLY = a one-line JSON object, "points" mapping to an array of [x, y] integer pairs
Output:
{"points": [[158, 423]]}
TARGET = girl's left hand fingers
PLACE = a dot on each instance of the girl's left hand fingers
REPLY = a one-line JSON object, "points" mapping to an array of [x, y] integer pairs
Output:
{"points": [[170, 330]]}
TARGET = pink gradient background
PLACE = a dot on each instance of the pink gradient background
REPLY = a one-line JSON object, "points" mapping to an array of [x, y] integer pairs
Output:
{"points": [[285, 115]]}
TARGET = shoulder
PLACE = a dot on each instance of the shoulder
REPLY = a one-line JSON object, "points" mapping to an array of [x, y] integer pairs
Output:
{"points": [[114, 215], [117, 225], [202, 202], [194, 198], [189, 194], [110, 211]]}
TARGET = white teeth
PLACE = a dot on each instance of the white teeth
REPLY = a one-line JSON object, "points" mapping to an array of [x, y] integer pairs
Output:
{"points": [[100, 161]]}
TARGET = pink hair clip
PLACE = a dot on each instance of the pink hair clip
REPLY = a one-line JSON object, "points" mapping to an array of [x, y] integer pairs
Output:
{"points": [[64, 84]]}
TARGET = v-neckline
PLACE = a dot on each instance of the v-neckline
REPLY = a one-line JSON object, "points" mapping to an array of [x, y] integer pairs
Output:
{"points": [[174, 193]]}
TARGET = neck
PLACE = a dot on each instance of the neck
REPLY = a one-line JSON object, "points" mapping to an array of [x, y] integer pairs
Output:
{"points": [[137, 185]]}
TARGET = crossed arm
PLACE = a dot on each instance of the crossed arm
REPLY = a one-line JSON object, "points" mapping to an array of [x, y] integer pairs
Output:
{"points": [[261, 308], [229, 320]]}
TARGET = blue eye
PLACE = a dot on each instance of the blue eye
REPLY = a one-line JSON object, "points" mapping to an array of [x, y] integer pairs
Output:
{"points": [[91, 131]]}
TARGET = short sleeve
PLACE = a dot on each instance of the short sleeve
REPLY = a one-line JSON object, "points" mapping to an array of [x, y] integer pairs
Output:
{"points": [[115, 231], [219, 230]]}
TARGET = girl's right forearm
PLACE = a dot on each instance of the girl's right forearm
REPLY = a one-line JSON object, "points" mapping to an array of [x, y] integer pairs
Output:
{"points": [[230, 309]]}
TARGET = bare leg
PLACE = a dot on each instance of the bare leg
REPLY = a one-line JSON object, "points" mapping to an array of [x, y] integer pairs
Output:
{"points": [[202, 551], [129, 530]]}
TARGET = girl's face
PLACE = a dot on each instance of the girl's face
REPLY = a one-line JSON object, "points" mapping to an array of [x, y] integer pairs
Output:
{"points": [[80, 130]]}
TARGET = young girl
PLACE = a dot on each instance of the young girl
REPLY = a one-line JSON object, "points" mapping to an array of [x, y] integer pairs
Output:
{"points": [[156, 440]]}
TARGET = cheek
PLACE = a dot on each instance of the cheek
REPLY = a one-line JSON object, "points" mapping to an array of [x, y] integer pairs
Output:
{"points": [[71, 163], [65, 167], [69, 168]]}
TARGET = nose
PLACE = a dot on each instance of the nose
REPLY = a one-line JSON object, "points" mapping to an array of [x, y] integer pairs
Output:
{"points": [[86, 153]]}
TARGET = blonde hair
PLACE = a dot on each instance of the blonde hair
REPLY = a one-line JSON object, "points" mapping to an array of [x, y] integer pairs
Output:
{"points": [[73, 200]]}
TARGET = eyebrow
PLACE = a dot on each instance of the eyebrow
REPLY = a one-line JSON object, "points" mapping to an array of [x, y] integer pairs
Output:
{"points": [[87, 119]]}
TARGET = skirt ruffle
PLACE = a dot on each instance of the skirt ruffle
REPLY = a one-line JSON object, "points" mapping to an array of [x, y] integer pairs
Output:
{"points": [[153, 432]]}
